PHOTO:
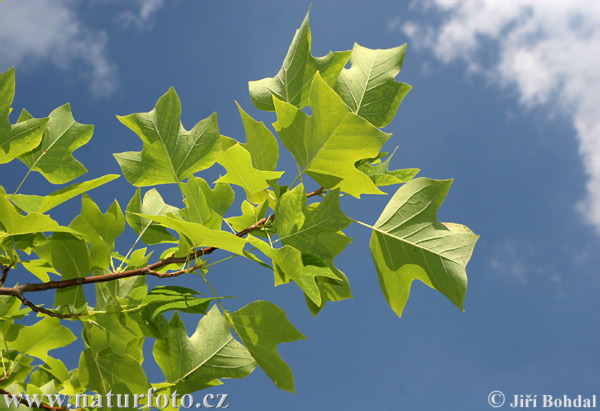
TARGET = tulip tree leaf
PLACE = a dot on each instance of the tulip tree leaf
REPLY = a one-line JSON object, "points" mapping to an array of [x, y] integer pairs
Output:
{"points": [[70, 256], [327, 144], [261, 326], [210, 353], [168, 298], [260, 142], [409, 243], [53, 158], [312, 231], [104, 371], [99, 230], [206, 206], [292, 83], [37, 339], [368, 87], [17, 224], [16, 139], [39, 204], [170, 153], [201, 236], [152, 204], [379, 172], [240, 171], [290, 265]]}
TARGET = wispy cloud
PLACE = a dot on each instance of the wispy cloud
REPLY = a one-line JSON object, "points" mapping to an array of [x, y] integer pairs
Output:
{"points": [[517, 261], [547, 50], [144, 16], [42, 31]]}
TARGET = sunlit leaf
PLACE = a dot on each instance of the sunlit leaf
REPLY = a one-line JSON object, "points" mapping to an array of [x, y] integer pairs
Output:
{"points": [[327, 144], [262, 326], [368, 87], [292, 83], [16, 139], [153, 204], [409, 243], [210, 353], [378, 171], [170, 153], [240, 171], [36, 340], [260, 142], [39, 204], [99, 230], [53, 158], [170, 298]]}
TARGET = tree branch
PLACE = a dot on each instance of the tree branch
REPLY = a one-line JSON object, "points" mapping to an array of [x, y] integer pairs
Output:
{"points": [[150, 269]]}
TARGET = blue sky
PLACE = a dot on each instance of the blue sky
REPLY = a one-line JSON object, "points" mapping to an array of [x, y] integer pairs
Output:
{"points": [[505, 101]]}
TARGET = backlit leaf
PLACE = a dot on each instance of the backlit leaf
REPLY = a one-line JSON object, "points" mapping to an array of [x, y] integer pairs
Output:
{"points": [[16, 139], [409, 243], [36, 340], [53, 158], [260, 142], [39, 204], [368, 87], [210, 353], [153, 204], [262, 326], [99, 230], [292, 83], [327, 144], [170, 153], [240, 171]]}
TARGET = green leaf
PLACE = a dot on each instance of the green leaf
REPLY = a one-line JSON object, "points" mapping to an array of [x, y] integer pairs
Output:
{"points": [[39, 204], [70, 256], [168, 298], [116, 331], [153, 204], [312, 231], [170, 153], [261, 326], [327, 144], [19, 138], [409, 243], [206, 206], [53, 158], [39, 268], [17, 224], [240, 171], [292, 83], [368, 87], [290, 265], [99, 230], [260, 142], [106, 371], [10, 308], [36, 340], [250, 215], [378, 171], [200, 236], [210, 353]]}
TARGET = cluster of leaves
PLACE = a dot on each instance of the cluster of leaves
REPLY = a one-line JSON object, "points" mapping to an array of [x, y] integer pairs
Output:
{"points": [[338, 146]]}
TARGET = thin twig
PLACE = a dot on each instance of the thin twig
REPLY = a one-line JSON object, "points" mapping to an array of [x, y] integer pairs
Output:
{"points": [[150, 269]]}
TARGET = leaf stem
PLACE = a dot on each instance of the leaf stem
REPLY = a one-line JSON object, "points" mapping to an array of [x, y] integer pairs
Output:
{"points": [[22, 181]]}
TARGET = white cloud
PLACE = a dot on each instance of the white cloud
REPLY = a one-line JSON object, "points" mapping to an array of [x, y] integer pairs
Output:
{"points": [[41, 31], [143, 19], [547, 49]]}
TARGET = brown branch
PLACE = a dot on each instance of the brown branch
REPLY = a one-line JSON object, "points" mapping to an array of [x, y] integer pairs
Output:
{"points": [[5, 270], [19, 291], [30, 405]]}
